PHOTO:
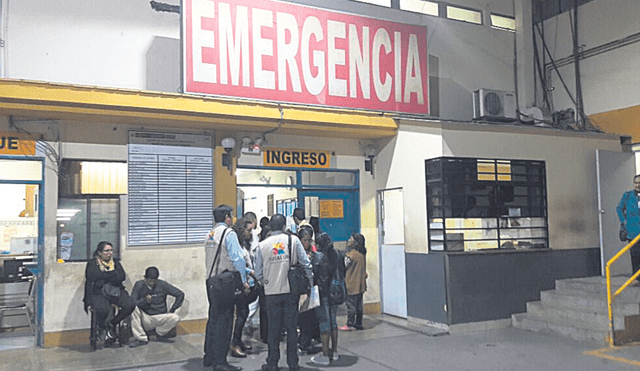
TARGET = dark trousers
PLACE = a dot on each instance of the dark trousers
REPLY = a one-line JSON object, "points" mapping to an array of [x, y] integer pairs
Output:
{"points": [[282, 310], [635, 257], [264, 319], [308, 324], [242, 312], [102, 307], [355, 310], [218, 333]]}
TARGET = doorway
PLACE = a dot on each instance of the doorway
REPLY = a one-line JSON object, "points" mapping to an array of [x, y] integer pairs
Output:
{"points": [[333, 196], [21, 240], [392, 257]]}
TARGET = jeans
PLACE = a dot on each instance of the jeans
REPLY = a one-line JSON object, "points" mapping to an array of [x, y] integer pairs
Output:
{"points": [[102, 307], [242, 312], [282, 309], [635, 257], [355, 310], [218, 333]]}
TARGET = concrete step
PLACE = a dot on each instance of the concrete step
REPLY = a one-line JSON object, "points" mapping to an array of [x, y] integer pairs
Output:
{"points": [[530, 322], [577, 317], [584, 302], [597, 285]]}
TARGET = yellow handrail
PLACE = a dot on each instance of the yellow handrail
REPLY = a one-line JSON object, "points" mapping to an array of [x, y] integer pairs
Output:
{"points": [[611, 298]]}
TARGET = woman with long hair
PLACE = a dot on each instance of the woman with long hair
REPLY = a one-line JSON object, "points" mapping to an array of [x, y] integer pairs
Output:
{"points": [[307, 321], [325, 264], [243, 228], [355, 263]]}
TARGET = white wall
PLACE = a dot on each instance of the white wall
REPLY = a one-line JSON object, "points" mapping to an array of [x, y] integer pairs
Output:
{"points": [[126, 44], [609, 80], [571, 172], [401, 164]]}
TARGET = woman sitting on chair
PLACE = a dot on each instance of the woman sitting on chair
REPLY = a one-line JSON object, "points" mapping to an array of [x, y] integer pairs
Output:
{"points": [[103, 288]]}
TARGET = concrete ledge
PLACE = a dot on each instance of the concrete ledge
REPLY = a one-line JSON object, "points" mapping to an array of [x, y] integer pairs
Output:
{"points": [[479, 326], [372, 308], [80, 337]]}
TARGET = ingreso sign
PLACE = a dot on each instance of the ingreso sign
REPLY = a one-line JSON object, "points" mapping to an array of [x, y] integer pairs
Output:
{"points": [[283, 52]]}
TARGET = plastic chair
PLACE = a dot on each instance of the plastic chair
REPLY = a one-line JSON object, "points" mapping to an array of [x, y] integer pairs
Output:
{"points": [[21, 302]]}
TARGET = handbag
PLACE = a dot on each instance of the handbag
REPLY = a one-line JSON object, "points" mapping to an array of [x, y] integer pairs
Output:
{"points": [[298, 282], [110, 291], [310, 301], [224, 287], [337, 289], [253, 294]]}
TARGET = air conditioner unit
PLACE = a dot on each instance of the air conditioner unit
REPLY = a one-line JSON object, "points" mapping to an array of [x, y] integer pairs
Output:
{"points": [[494, 105]]}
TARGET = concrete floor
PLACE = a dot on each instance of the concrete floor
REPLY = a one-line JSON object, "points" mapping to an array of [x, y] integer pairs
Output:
{"points": [[387, 343]]}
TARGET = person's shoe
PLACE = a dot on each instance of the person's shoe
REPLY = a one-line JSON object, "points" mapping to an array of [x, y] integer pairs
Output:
{"points": [[227, 367], [359, 328], [136, 343], [269, 368], [320, 360], [235, 351], [245, 347], [335, 356], [110, 332], [346, 328], [164, 339]]}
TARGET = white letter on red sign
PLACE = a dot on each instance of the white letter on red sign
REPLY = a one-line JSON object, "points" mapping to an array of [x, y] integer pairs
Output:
{"points": [[287, 52], [314, 85], [413, 74], [234, 51], [397, 64], [359, 61], [336, 30], [262, 78], [203, 42], [383, 90]]}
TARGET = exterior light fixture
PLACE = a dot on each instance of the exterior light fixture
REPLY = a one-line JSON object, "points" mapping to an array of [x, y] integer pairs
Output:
{"points": [[228, 144]]}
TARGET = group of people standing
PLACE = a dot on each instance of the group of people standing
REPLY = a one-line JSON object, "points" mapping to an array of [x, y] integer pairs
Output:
{"points": [[263, 260]]}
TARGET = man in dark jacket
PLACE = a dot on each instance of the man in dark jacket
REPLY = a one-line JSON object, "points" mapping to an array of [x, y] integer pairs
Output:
{"points": [[151, 313]]}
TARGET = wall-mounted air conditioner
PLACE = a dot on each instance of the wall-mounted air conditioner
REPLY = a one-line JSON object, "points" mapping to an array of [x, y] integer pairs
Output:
{"points": [[494, 105]]}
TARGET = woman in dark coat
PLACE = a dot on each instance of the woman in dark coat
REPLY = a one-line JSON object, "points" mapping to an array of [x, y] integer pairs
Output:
{"points": [[103, 271]]}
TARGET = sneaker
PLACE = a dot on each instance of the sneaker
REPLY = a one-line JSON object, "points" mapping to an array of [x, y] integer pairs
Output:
{"points": [[335, 357], [320, 360], [346, 328], [136, 343]]}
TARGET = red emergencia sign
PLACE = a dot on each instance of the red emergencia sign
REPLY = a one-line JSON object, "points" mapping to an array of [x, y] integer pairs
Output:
{"points": [[283, 52]]}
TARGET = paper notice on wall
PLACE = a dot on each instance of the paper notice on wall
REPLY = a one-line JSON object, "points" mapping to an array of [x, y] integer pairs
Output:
{"points": [[66, 244]]}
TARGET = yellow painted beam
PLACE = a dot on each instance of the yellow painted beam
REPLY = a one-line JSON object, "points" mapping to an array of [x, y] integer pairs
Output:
{"points": [[624, 121], [85, 103]]}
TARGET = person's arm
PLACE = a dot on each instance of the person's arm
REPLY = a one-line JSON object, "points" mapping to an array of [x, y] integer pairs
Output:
{"points": [[303, 259], [259, 273], [235, 254], [621, 209], [176, 293], [138, 296]]}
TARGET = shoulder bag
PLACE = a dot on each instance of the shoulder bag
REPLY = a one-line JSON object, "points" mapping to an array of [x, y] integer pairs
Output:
{"points": [[298, 282], [338, 288], [224, 287]]}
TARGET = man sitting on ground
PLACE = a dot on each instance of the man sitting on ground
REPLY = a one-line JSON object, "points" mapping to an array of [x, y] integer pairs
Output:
{"points": [[151, 310]]}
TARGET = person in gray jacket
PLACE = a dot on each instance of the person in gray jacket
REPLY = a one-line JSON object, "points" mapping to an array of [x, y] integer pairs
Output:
{"points": [[151, 312], [274, 256]]}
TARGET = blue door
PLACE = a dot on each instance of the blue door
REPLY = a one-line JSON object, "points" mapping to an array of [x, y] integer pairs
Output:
{"points": [[337, 209]]}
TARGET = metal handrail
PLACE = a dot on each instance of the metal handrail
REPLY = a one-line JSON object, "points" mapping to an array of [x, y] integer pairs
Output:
{"points": [[611, 298]]}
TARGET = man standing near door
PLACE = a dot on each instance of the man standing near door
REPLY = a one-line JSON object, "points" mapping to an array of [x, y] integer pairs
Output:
{"points": [[629, 214]]}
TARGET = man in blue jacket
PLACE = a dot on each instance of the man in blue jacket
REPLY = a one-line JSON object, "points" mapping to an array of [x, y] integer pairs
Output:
{"points": [[629, 214], [151, 312]]}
